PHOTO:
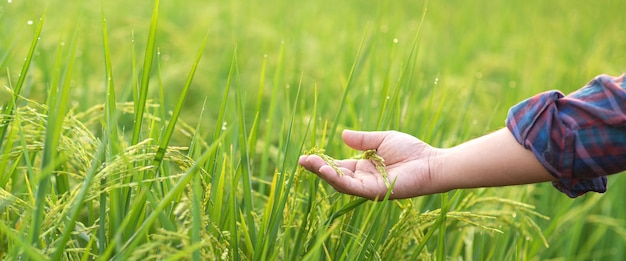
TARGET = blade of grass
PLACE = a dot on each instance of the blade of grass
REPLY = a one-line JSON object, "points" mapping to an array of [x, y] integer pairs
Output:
{"points": [[5, 160], [217, 209], [54, 127], [318, 243], [298, 244], [219, 124], [385, 91], [135, 74], [345, 209], [347, 88], [124, 193], [113, 149], [196, 143], [166, 137], [252, 138], [110, 102], [10, 107], [233, 209], [28, 160], [373, 221], [29, 251], [197, 199], [435, 122], [196, 216], [140, 105], [269, 127], [395, 96], [441, 244], [163, 103], [247, 201], [231, 217], [437, 224], [165, 201], [264, 245], [79, 201]]}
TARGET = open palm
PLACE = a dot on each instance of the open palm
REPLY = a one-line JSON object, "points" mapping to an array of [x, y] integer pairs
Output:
{"points": [[406, 159]]}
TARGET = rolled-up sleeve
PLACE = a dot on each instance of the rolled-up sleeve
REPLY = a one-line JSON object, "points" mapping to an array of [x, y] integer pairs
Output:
{"points": [[579, 138]]}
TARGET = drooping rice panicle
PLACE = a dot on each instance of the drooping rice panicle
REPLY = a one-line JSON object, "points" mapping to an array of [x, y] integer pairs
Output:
{"points": [[379, 163], [328, 159]]}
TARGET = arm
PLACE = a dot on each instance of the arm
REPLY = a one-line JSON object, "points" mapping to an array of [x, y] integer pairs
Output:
{"points": [[496, 159], [419, 169], [574, 140]]}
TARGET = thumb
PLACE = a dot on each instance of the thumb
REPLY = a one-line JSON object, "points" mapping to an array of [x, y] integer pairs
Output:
{"points": [[363, 140]]}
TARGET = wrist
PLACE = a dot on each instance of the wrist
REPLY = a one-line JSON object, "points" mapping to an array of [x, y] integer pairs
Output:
{"points": [[495, 159], [438, 165]]}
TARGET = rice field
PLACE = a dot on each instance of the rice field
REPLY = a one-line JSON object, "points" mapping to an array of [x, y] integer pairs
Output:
{"points": [[171, 130]]}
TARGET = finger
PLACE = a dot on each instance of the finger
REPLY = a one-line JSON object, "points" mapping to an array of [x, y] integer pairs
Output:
{"points": [[312, 163], [349, 164], [363, 140], [315, 164], [347, 183]]}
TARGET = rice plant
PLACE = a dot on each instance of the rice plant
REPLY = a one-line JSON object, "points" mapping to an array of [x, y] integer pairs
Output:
{"points": [[163, 130]]}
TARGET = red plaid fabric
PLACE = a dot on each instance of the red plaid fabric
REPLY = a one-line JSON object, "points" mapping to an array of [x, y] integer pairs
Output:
{"points": [[579, 138]]}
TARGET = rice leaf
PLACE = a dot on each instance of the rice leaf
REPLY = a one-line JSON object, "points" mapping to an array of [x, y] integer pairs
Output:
{"points": [[167, 200], [10, 107], [140, 104], [165, 140]]}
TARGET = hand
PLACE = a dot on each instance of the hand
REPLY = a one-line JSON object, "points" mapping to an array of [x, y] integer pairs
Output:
{"points": [[407, 160], [417, 168]]}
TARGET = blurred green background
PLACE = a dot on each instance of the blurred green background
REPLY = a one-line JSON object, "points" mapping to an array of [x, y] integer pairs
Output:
{"points": [[473, 60], [504, 50]]}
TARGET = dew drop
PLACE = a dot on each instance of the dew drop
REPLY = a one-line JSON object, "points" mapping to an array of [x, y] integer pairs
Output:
{"points": [[10, 1], [30, 22], [395, 40], [436, 80], [388, 97], [224, 125]]}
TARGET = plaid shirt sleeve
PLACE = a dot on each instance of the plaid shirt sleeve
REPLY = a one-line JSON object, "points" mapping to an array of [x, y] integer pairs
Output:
{"points": [[579, 138]]}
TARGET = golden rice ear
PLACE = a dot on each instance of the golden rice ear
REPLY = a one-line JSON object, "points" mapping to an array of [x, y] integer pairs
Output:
{"points": [[328, 159], [379, 162]]}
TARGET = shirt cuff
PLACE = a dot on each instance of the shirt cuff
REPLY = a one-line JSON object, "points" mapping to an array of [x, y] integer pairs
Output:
{"points": [[549, 124]]}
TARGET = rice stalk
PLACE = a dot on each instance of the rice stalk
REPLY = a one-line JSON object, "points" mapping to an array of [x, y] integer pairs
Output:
{"points": [[8, 109]]}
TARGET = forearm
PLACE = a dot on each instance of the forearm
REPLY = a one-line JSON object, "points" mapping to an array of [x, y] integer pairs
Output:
{"points": [[493, 160]]}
